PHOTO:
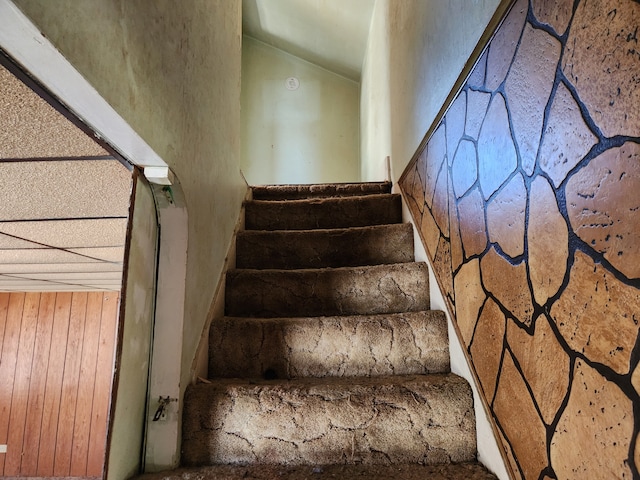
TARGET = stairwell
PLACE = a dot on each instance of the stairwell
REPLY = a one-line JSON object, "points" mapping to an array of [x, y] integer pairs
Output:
{"points": [[328, 363]]}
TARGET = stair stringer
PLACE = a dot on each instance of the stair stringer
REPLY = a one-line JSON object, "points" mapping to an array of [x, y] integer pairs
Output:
{"points": [[488, 450]]}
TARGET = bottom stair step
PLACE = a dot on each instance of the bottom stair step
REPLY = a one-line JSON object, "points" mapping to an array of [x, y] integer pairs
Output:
{"points": [[461, 471], [422, 419]]}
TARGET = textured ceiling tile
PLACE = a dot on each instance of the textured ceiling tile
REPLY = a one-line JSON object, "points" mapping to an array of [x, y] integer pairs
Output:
{"points": [[65, 189], [506, 216], [486, 350], [544, 363], [469, 298], [519, 418], [111, 254], [567, 138], [602, 61], [103, 232], [31, 128], [528, 87], [22, 268], [496, 153], [43, 255], [465, 167], [604, 206], [593, 435], [76, 276], [597, 315], [508, 283], [554, 13], [7, 242], [504, 44], [548, 240]]}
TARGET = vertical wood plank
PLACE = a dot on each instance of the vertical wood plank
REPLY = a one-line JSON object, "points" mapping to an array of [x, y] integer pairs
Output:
{"points": [[4, 307], [104, 379], [69, 396], [20, 397], [33, 423], [8, 364], [86, 384], [51, 408]]}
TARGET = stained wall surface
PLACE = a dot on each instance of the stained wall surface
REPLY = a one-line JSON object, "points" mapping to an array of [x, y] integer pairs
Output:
{"points": [[301, 134], [527, 200], [173, 74]]}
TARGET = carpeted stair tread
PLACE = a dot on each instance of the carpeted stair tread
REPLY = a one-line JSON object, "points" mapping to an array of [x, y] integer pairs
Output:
{"points": [[367, 290], [357, 345], [313, 213], [341, 247], [296, 192], [398, 419], [457, 471]]}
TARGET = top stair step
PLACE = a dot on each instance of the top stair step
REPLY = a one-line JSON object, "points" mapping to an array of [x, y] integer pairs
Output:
{"points": [[297, 192]]}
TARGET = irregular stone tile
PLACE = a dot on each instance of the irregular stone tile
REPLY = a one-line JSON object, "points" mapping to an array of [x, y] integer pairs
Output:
{"points": [[548, 241], [477, 103], [635, 378], [567, 138], [508, 283], [486, 349], [415, 192], [518, 416], [593, 435], [476, 78], [528, 87], [514, 468], [602, 60], [464, 169], [506, 215], [469, 298], [597, 315], [504, 44], [457, 254], [455, 121], [472, 228], [442, 267], [435, 153], [553, 13], [440, 207], [430, 233], [544, 363], [603, 206], [496, 152]]}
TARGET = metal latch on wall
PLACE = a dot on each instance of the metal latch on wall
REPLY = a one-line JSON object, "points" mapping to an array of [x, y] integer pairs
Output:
{"points": [[163, 403]]}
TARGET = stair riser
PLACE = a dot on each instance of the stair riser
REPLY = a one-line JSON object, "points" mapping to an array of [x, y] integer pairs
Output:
{"points": [[325, 248], [296, 192], [343, 291], [425, 420], [403, 344], [323, 213]]}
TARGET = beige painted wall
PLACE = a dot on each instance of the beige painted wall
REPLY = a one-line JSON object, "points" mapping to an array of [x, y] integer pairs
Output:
{"points": [[174, 74], [308, 135], [124, 453], [427, 43]]}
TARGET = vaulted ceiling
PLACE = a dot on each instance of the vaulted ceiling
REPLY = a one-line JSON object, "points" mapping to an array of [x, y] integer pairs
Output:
{"points": [[330, 33]]}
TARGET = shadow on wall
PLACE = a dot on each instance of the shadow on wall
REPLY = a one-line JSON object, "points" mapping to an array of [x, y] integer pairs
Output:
{"points": [[527, 200]]}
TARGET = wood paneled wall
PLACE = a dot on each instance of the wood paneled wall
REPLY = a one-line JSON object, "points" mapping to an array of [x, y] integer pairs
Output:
{"points": [[56, 370]]}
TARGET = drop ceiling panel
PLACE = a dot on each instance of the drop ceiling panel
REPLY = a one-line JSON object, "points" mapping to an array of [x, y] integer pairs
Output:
{"points": [[63, 189], [23, 268], [8, 242], [40, 256], [103, 232], [109, 254]]}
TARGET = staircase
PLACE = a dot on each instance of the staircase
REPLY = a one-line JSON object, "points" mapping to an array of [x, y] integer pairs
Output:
{"points": [[328, 363]]}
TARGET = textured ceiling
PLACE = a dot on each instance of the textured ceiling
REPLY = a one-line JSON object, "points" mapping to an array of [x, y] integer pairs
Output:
{"points": [[330, 33], [64, 201]]}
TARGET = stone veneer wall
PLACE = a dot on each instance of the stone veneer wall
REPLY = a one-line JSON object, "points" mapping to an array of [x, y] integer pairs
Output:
{"points": [[527, 197]]}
